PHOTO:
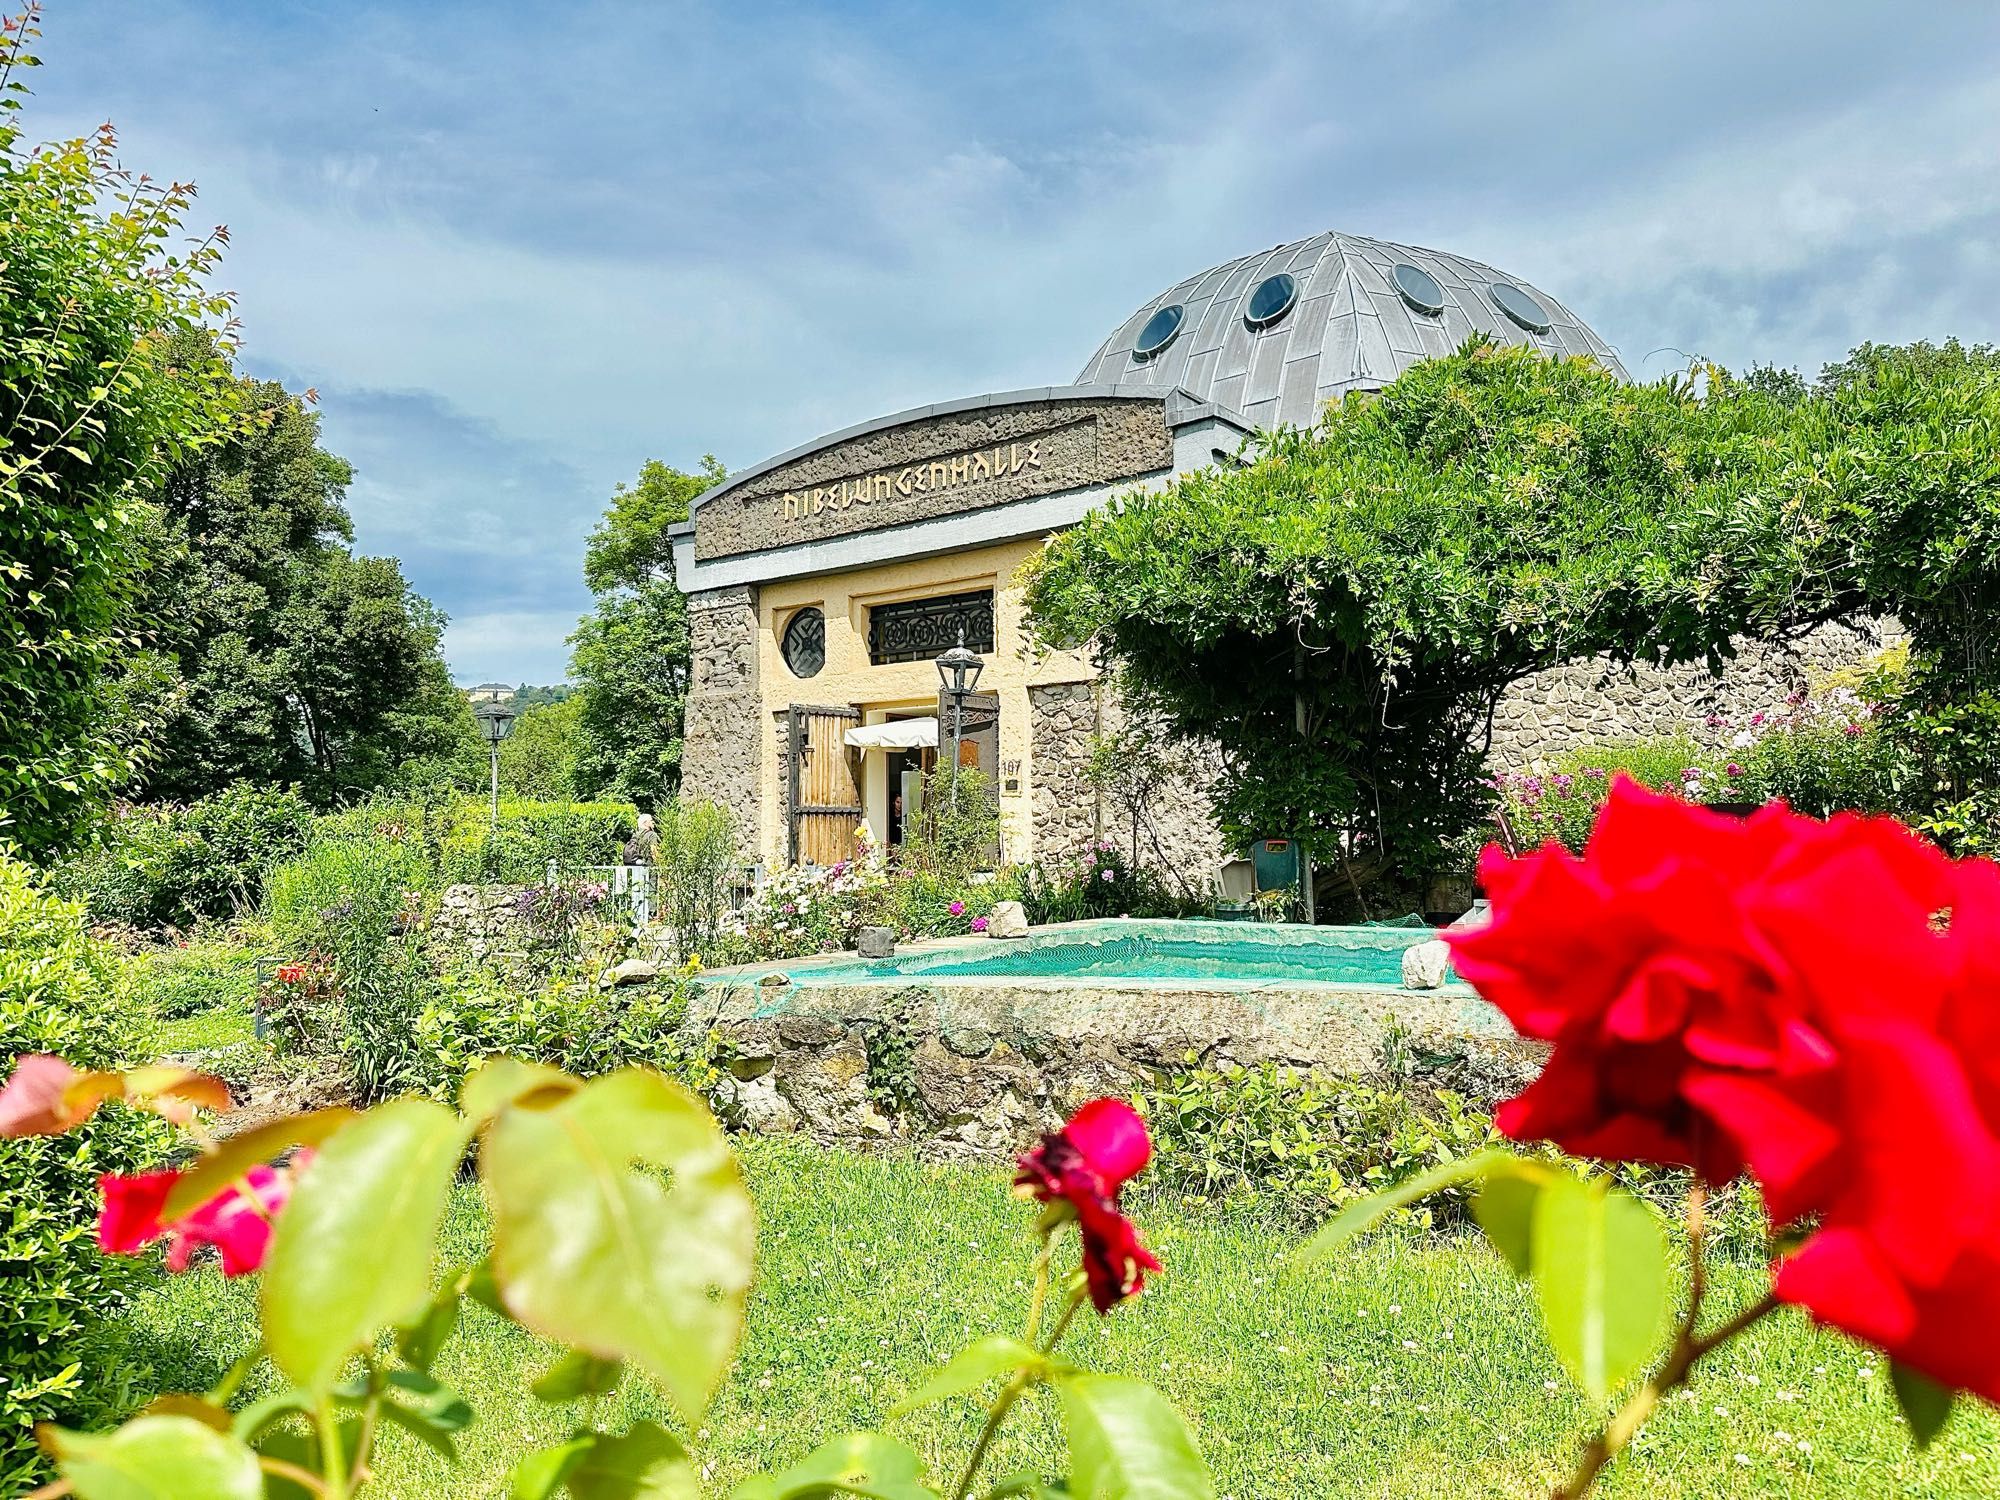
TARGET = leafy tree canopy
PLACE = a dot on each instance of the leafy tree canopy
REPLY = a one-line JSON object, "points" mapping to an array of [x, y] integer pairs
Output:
{"points": [[539, 756], [1340, 613], [629, 548], [279, 656], [630, 658]]}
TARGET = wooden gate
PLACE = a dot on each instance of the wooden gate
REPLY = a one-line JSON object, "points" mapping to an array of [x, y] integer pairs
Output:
{"points": [[825, 797]]}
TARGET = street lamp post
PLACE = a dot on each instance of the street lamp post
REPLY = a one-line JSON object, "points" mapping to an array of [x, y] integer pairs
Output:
{"points": [[495, 719], [958, 671]]}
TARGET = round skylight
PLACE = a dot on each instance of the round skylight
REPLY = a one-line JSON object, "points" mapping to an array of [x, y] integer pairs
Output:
{"points": [[1419, 288], [1159, 330], [1272, 300], [1519, 306]]}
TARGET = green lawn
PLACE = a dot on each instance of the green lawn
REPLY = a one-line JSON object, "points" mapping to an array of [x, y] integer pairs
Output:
{"points": [[1401, 1370]]}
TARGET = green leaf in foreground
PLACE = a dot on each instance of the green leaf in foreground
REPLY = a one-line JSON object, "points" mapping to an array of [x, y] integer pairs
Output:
{"points": [[501, 1081], [234, 1157], [155, 1458], [973, 1366], [647, 1463], [616, 1262], [1126, 1442], [1505, 1209], [577, 1375], [861, 1463], [352, 1251], [1356, 1217], [544, 1472], [1600, 1274], [1926, 1405]]}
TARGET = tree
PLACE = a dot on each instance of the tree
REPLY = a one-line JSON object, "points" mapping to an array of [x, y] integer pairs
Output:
{"points": [[631, 657], [539, 758], [94, 289], [278, 656], [1340, 614]]}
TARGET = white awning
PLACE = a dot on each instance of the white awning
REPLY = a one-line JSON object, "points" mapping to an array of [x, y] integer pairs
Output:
{"points": [[897, 734]]}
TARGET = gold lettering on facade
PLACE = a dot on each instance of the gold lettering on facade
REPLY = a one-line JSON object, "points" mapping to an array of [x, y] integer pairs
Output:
{"points": [[978, 466]]}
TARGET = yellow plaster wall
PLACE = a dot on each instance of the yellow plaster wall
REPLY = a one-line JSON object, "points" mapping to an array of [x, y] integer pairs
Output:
{"points": [[850, 679]]}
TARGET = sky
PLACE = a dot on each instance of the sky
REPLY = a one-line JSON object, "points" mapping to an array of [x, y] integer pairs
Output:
{"points": [[521, 250]]}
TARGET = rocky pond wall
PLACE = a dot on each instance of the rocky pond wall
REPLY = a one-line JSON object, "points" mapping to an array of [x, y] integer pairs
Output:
{"points": [[974, 1068]]}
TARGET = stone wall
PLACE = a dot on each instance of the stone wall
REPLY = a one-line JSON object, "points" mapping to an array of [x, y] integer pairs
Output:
{"points": [[721, 743], [1595, 701], [475, 920], [972, 1069], [1175, 831]]}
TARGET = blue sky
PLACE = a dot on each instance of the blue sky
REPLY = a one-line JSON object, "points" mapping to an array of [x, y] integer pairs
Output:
{"points": [[521, 250]]}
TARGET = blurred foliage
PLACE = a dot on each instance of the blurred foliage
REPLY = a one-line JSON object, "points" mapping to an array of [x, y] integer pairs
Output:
{"points": [[63, 993]]}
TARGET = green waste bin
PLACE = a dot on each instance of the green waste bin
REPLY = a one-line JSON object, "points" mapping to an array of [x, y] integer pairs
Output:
{"points": [[1276, 862]]}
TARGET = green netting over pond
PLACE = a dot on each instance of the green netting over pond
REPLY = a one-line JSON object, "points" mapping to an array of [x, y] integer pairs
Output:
{"points": [[1224, 952]]}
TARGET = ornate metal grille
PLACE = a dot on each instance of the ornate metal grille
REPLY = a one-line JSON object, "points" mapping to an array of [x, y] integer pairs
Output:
{"points": [[920, 629], [804, 643]]}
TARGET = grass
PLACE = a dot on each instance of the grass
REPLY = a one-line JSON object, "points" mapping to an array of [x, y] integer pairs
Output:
{"points": [[1405, 1369]]}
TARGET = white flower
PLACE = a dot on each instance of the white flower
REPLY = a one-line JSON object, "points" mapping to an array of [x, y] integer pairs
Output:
{"points": [[1744, 740]]}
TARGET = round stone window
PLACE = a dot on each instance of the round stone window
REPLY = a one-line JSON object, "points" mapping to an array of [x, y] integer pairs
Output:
{"points": [[804, 643]]}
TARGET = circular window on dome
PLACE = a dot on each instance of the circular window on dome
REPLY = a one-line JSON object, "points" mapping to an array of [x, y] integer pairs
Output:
{"points": [[1159, 330], [1419, 288], [1272, 300], [804, 643], [1519, 306]]}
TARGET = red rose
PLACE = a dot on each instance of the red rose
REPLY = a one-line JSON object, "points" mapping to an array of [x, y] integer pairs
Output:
{"points": [[1685, 969], [1084, 1164], [1817, 1003], [236, 1221], [1907, 1252]]}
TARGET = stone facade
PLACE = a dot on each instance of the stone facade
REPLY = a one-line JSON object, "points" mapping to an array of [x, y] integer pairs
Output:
{"points": [[1166, 824], [937, 466], [720, 752], [1592, 702]]}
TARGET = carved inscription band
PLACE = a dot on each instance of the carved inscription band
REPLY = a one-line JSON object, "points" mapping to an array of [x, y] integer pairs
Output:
{"points": [[977, 467]]}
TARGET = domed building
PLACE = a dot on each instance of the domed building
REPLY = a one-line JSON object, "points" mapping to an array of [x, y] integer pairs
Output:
{"points": [[824, 582], [1274, 336]]}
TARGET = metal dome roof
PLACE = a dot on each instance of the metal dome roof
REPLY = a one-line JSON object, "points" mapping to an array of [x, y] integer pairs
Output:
{"points": [[1347, 328]]}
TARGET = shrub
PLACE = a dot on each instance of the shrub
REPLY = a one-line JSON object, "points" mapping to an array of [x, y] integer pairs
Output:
{"points": [[802, 910], [921, 904], [1100, 882], [692, 861], [567, 1021], [532, 835], [351, 899], [1299, 1145], [957, 828], [176, 983], [60, 992], [160, 865]]}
